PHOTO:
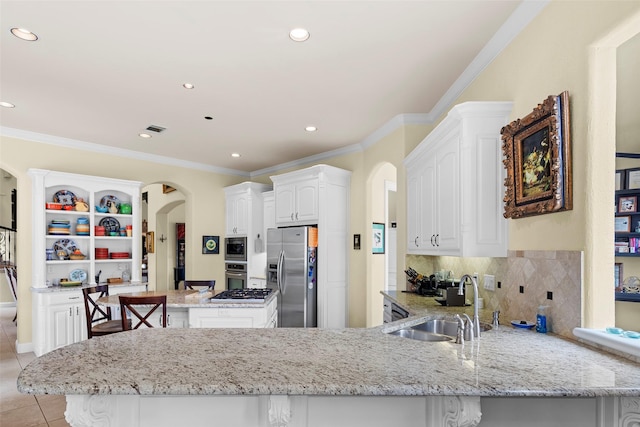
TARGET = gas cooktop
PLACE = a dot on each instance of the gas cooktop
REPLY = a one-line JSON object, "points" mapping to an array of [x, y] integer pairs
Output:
{"points": [[246, 295]]}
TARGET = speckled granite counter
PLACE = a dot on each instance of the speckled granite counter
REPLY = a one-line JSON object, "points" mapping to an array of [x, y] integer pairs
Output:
{"points": [[504, 362]]}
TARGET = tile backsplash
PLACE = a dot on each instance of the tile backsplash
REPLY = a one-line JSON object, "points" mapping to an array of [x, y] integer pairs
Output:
{"points": [[527, 279]]}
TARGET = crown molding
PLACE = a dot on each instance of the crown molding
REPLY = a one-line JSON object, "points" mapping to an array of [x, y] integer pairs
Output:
{"points": [[104, 149], [519, 19]]}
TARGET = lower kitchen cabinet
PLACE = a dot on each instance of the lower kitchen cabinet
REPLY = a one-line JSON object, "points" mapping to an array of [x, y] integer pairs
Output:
{"points": [[235, 317], [59, 318]]}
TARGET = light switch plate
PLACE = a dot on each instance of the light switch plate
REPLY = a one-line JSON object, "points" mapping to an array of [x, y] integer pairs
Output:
{"points": [[489, 282]]}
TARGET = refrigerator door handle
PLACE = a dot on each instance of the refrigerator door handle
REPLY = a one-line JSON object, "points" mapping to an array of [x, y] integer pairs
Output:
{"points": [[280, 272]]}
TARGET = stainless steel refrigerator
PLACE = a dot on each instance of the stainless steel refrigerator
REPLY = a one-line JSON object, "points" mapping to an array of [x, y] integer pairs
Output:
{"points": [[291, 268]]}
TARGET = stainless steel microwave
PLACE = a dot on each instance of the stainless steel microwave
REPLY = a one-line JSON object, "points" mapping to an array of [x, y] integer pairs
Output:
{"points": [[235, 249]]}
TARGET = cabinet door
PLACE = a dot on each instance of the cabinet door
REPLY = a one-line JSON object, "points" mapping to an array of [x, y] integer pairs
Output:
{"points": [[428, 205], [177, 318], [448, 196], [413, 210], [79, 323], [61, 325], [237, 214], [285, 203], [307, 201]]}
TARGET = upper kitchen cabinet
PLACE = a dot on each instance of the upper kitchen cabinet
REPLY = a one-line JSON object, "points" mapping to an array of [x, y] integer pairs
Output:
{"points": [[84, 227], [455, 185], [297, 202], [319, 195], [244, 208]]}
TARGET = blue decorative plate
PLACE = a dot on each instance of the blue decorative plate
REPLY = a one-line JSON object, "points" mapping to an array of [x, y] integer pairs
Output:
{"points": [[110, 224], [78, 275], [522, 324], [65, 197]]}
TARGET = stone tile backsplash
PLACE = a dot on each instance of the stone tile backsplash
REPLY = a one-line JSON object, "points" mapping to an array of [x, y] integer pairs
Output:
{"points": [[557, 274]]}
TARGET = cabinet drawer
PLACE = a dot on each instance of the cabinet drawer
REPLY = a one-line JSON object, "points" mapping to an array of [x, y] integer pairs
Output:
{"points": [[64, 297]]}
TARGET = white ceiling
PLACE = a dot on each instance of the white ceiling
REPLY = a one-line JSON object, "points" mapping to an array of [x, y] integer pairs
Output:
{"points": [[102, 71]]}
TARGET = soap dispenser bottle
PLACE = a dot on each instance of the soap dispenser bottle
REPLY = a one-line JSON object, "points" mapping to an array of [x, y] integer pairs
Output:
{"points": [[541, 319]]}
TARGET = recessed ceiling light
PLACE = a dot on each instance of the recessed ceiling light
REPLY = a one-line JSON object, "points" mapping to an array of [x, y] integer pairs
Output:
{"points": [[7, 104], [188, 86], [311, 128], [23, 34], [299, 34], [144, 135], [235, 155]]}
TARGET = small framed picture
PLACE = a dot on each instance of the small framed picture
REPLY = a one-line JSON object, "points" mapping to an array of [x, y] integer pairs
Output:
{"points": [[620, 180], [623, 224], [633, 179], [377, 238], [210, 244], [627, 204]]}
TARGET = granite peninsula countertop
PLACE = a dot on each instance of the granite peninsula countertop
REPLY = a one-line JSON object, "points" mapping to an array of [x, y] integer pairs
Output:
{"points": [[344, 362]]}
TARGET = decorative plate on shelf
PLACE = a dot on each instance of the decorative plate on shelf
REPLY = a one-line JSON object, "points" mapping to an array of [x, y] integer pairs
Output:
{"points": [[67, 245], [65, 197], [78, 275], [110, 224], [109, 200]]}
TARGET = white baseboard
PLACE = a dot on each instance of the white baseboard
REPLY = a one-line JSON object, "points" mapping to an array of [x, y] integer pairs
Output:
{"points": [[26, 347]]}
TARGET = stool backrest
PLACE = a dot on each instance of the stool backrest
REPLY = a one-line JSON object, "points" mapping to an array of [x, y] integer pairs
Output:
{"points": [[134, 305], [189, 284]]}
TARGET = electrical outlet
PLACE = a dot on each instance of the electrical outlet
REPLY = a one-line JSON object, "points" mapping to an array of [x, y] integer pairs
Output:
{"points": [[489, 282], [475, 276]]}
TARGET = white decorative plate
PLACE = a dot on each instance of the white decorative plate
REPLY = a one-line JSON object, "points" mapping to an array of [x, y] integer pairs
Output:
{"points": [[78, 275]]}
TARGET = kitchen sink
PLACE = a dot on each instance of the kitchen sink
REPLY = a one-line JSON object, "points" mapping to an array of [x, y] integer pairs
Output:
{"points": [[444, 327], [419, 335]]}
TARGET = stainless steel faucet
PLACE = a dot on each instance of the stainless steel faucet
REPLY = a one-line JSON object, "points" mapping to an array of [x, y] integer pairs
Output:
{"points": [[476, 317]]}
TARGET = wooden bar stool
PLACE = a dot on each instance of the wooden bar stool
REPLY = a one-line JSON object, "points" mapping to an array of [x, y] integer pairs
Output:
{"points": [[128, 305], [189, 284], [99, 321]]}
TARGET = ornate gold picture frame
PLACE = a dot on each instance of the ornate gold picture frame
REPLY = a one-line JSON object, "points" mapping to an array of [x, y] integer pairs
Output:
{"points": [[537, 156]]}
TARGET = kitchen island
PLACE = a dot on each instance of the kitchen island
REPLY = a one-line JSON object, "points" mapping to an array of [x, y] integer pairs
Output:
{"points": [[351, 377], [193, 309]]}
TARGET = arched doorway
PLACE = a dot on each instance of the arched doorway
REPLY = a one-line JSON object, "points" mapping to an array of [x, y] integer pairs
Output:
{"points": [[164, 206]]}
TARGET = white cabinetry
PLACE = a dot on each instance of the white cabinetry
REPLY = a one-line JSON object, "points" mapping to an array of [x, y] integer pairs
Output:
{"points": [[269, 200], [297, 202], [244, 208], [237, 215], [234, 317], [319, 195], [245, 216], [59, 318], [95, 191], [455, 185]]}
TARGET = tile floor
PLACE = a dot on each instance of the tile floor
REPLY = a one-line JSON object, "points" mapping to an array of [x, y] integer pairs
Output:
{"points": [[17, 409]]}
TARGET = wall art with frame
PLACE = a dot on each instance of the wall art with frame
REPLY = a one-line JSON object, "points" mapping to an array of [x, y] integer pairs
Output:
{"points": [[377, 238], [210, 244], [537, 156]]}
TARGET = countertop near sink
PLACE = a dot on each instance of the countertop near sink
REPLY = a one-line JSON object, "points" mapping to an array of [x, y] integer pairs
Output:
{"points": [[342, 362]]}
